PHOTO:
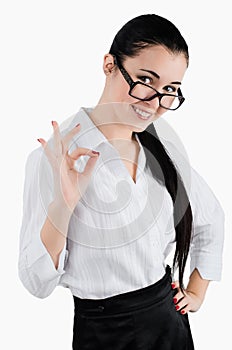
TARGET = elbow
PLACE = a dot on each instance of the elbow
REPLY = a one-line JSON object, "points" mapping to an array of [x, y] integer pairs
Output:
{"points": [[34, 286]]}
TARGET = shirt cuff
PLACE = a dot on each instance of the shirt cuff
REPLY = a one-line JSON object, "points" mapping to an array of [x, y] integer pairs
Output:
{"points": [[40, 261], [210, 267]]}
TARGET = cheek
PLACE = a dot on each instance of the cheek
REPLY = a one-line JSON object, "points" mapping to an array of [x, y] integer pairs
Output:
{"points": [[160, 111], [119, 91], [158, 114]]}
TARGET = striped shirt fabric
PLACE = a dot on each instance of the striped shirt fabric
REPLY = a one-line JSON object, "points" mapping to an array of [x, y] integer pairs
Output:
{"points": [[121, 232]]}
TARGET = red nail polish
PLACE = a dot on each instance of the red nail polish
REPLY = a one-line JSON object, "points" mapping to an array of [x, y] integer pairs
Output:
{"points": [[175, 300], [177, 307], [95, 152], [52, 122], [182, 312], [77, 125], [173, 285], [39, 140]]}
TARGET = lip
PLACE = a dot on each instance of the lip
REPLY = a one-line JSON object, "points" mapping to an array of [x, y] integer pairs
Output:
{"points": [[143, 110]]}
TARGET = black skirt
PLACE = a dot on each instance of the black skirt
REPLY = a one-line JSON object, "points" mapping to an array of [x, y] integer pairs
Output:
{"points": [[143, 319]]}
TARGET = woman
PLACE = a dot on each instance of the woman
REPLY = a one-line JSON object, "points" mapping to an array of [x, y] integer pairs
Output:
{"points": [[103, 224]]}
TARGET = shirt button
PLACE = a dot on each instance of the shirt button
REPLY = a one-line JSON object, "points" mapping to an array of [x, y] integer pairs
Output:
{"points": [[101, 308]]}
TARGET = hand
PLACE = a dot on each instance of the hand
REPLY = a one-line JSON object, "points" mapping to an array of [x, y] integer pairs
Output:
{"points": [[69, 185], [188, 302]]}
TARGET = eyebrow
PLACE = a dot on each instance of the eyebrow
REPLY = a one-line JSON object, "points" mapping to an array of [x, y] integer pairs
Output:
{"points": [[158, 77]]}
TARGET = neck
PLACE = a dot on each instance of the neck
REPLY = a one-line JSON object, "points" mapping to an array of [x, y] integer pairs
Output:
{"points": [[104, 117]]}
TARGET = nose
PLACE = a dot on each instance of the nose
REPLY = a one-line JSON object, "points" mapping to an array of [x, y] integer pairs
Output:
{"points": [[154, 104]]}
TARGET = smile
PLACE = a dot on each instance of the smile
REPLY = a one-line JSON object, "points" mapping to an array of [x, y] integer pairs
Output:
{"points": [[141, 114]]}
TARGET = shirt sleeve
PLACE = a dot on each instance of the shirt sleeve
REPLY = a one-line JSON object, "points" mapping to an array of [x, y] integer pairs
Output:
{"points": [[206, 247], [36, 268]]}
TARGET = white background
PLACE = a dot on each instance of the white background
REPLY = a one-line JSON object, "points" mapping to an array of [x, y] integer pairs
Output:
{"points": [[51, 65]]}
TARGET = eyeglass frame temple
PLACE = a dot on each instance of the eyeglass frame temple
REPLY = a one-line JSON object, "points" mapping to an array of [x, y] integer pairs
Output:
{"points": [[124, 72]]}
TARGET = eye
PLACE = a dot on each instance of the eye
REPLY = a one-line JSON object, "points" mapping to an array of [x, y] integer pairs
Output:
{"points": [[170, 88], [145, 79]]}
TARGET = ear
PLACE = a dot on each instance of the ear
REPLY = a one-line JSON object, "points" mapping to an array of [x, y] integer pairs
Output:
{"points": [[108, 64]]}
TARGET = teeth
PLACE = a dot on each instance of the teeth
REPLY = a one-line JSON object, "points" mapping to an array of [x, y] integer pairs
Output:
{"points": [[142, 113]]}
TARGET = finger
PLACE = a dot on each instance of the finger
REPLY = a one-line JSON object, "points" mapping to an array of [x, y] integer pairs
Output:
{"points": [[86, 174], [182, 304], [89, 166], [185, 310], [46, 148], [179, 295], [68, 137], [175, 284], [81, 151], [57, 139]]}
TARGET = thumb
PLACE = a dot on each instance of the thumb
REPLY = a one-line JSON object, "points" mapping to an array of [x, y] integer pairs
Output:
{"points": [[90, 166]]}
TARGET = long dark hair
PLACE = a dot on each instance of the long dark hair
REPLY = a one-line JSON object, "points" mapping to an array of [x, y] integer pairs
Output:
{"points": [[141, 32]]}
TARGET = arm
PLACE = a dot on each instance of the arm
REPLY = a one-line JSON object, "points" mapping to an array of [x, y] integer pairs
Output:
{"points": [[54, 231], [197, 286], [206, 246], [40, 266]]}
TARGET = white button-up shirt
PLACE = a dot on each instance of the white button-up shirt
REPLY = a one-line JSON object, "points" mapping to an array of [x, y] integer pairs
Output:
{"points": [[121, 232]]}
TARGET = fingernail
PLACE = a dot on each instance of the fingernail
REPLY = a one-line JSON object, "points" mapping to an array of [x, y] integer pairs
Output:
{"points": [[95, 152], [177, 307], [52, 122], [39, 140], [77, 125], [175, 300], [173, 285], [182, 312]]}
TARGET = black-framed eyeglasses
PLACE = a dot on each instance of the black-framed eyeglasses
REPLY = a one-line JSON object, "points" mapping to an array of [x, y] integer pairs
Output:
{"points": [[144, 92]]}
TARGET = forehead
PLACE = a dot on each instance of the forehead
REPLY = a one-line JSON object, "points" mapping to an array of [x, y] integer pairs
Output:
{"points": [[169, 66]]}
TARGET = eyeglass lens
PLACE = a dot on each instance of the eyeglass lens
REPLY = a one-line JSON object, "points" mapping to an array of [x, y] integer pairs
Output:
{"points": [[144, 92]]}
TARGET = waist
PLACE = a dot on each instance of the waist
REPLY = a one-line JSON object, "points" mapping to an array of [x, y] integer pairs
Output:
{"points": [[128, 301]]}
